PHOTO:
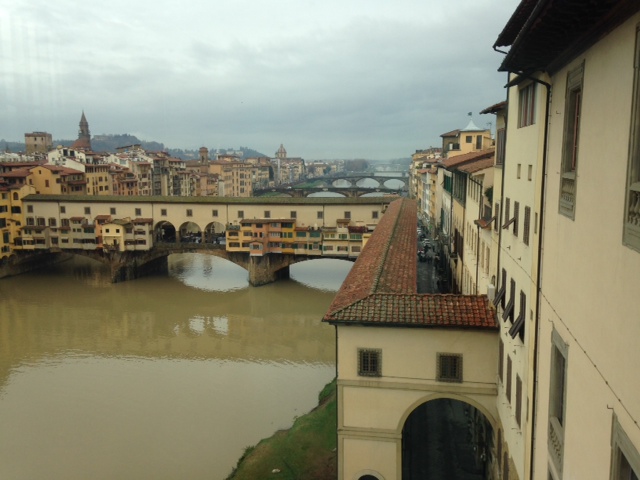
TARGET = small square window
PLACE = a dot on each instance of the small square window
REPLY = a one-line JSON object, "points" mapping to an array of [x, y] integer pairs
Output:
{"points": [[369, 362], [449, 367], [189, 212], [320, 215], [30, 208], [163, 212], [294, 214], [112, 210], [214, 213], [374, 214], [240, 213], [347, 215], [138, 212], [87, 210], [267, 214]]}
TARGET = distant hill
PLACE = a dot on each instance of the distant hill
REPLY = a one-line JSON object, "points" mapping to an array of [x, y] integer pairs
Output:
{"points": [[111, 142]]}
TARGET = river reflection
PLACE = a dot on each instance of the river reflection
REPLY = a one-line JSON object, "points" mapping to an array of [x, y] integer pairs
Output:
{"points": [[161, 377]]}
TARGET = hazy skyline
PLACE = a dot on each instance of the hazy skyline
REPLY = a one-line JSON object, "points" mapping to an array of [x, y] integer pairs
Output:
{"points": [[331, 79]]}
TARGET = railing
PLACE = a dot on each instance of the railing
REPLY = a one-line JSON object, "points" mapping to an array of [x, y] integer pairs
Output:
{"points": [[568, 194], [556, 442]]}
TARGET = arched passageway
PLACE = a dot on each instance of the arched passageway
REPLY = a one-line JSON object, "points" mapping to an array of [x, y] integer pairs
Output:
{"points": [[446, 438], [165, 232]]}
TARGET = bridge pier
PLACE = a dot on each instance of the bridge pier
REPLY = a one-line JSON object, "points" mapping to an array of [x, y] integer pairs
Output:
{"points": [[267, 269], [129, 267]]}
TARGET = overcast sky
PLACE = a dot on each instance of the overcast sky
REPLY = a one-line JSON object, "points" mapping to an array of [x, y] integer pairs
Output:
{"points": [[373, 79]]}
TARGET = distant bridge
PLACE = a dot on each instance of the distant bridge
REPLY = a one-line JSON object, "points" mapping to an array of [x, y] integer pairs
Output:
{"points": [[347, 192]]}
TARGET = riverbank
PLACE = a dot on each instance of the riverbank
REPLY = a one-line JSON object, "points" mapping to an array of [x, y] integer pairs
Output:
{"points": [[306, 450]]}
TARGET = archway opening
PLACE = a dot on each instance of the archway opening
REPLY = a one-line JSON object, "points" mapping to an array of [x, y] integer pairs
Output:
{"points": [[214, 233], [190, 233], [446, 438], [165, 232]]}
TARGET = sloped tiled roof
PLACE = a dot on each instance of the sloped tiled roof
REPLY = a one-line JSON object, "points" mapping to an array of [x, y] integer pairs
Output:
{"points": [[452, 133], [477, 165], [381, 288], [468, 157]]}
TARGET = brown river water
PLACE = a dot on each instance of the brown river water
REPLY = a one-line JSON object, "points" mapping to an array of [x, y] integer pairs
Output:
{"points": [[166, 377]]}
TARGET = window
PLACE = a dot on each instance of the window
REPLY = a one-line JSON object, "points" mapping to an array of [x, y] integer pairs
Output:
{"points": [[518, 171], [572, 106], [29, 208], [347, 215], [501, 361], [479, 142], [267, 214], [500, 146], [214, 213], [163, 212], [530, 172], [449, 367], [189, 212], [557, 396], [138, 212], [496, 222], [625, 458], [374, 214], [293, 214], [527, 226], [87, 210], [518, 326], [63, 209], [526, 105], [52, 222], [112, 210], [240, 213], [507, 208], [505, 466], [468, 139], [631, 235], [518, 400], [516, 217], [500, 294], [509, 368], [508, 310], [369, 362], [320, 215]]}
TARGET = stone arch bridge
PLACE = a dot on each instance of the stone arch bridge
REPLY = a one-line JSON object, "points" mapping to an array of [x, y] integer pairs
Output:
{"points": [[129, 265]]}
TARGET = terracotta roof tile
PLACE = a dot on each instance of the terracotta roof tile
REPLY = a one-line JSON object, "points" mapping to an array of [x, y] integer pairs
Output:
{"points": [[428, 310], [468, 157], [477, 165]]}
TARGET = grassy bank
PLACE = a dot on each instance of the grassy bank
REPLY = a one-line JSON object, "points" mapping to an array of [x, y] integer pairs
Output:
{"points": [[306, 450]]}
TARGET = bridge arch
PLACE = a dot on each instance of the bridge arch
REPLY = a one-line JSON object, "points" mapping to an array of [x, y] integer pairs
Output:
{"points": [[394, 183]]}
